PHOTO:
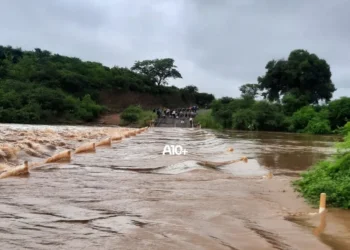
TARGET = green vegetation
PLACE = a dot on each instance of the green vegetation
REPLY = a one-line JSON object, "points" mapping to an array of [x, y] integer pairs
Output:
{"points": [[331, 176], [24, 102], [207, 120], [41, 87], [303, 77], [250, 114], [158, 70], [135, 115], [296, 97]]}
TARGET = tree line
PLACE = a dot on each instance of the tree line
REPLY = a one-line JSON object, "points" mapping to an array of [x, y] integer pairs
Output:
{"points": [[296, 96], [40, 87]]}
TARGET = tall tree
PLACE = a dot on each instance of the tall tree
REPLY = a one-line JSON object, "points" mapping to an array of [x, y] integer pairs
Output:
{"points": [[158, 69], [191, 89], [249, 90], [303, 75], [203, 99]]}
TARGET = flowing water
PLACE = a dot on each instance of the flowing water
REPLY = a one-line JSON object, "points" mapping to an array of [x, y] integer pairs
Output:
{"points": [[131, 196]]}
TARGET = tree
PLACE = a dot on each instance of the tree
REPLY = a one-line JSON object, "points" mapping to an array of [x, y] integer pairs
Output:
{"points": [[158, 70], [225, 100], [188, 94], [339, 112], [301, 118], [191, 89], [249, 90], [268, 116], [203, 99], [302, 74], [244, 119], [42, 86], [292, 102]]}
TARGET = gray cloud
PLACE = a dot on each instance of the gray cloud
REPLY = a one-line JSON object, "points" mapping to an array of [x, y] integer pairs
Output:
{"points": [[237, 39], [218, 45]]}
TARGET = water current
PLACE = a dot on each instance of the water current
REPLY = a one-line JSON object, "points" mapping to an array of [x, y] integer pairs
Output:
{"points": [[131, 196]]}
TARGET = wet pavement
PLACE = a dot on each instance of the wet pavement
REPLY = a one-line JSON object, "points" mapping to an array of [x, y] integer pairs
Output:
{"points": [[131, 196]]}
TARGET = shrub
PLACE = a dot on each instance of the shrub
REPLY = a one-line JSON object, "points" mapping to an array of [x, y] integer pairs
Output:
{"points": [[207, 120], [31, 103], [318, 126], [268, 116], [301, 118], [330, 176], [224, 108], [244, 119], [135, 114], [91, 106], [339, 112], [131, 114], [146, 117], [344, 130]]}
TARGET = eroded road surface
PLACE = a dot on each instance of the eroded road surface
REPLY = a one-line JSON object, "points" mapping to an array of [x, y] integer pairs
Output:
{"points": [[105, 200]]}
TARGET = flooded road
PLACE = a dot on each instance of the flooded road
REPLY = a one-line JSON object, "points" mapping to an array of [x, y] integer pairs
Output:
{"points": [[284, 151], [131, 196]]}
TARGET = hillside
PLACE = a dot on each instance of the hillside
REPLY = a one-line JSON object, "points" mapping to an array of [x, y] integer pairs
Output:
{"points": [[40, 87]]}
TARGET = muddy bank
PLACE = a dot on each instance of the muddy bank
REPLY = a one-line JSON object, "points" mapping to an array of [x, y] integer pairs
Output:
{"points": [[95, 202], [110, 119]]}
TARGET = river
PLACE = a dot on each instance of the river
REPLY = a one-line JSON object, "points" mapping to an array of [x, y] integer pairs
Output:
{"points": [[131, 196]]}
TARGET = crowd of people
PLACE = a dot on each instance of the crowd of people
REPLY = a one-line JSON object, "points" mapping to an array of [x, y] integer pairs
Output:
{"points": [[190, 112], [179, 113]]}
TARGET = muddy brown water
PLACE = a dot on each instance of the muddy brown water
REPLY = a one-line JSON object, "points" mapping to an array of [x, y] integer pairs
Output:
{"points": [[98, 201]]}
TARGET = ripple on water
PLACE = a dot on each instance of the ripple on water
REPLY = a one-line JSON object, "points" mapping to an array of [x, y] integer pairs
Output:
{"points": [[79, 203]]}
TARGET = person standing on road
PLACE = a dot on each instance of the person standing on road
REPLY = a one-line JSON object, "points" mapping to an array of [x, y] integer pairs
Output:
{"points": [[191, 122]]}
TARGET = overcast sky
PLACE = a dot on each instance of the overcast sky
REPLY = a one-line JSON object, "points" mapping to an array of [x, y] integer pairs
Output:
{"points": [[217, 45]]}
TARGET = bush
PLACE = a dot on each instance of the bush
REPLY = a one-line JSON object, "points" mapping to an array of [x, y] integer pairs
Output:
{"points": [[301, 118], [207, 120], [91, 107], [339, 112], [244, 119], [31, 103], [331, 176], [318, 126], [131, 114], [146, 117], [136, 115], [268, 116], [344, 130], [224, 108]]}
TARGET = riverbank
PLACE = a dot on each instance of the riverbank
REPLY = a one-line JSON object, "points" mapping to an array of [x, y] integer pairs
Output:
{"points": [[98, 201]]}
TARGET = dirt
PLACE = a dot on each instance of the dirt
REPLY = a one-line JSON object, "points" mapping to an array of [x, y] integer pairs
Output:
{"points": [[110, 119], [118, 100]]}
